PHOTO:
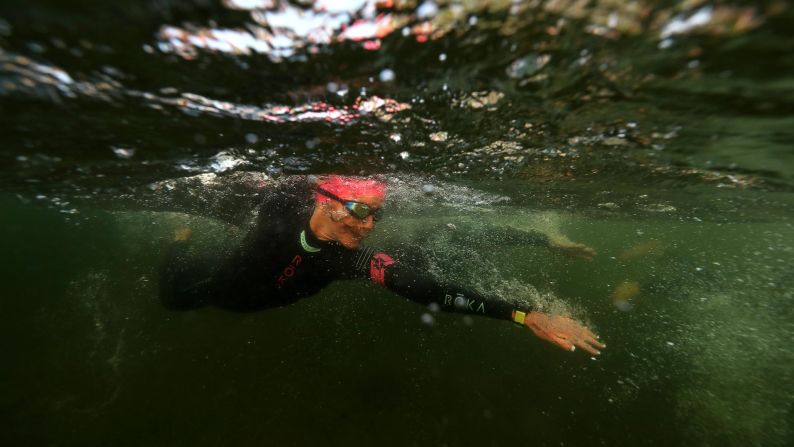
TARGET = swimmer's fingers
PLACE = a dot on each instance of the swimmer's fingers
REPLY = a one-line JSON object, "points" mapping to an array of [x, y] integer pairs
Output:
{"points": [[586, 253], [562, 342], [588, 338], [591, 253], [595, 343], [583, 338], [591, 338], [571, 346], [588, 346]]}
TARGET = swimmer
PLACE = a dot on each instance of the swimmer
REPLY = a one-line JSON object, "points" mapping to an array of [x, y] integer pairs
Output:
{"points": [[309, 234]]}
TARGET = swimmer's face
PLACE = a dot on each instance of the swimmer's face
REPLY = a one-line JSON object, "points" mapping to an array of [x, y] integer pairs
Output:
{"points": [[349, 230]]}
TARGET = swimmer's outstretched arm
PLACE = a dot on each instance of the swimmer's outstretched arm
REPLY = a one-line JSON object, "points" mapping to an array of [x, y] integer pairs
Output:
{"points": [[421, 288], [501, 235]]}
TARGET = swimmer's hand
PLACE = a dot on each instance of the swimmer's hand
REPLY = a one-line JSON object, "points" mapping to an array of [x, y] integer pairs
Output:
{"points": [[573, 249], [182, 234], [564, 332]]}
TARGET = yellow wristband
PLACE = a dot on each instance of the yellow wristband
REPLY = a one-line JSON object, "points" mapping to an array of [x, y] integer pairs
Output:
{"points": [[519, 316]]}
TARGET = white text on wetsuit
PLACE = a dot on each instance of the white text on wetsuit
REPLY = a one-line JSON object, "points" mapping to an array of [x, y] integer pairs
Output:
{"points": [[462, 303]]}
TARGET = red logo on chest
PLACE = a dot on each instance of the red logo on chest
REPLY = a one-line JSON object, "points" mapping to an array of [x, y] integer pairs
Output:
{"points": [[289, 270]]}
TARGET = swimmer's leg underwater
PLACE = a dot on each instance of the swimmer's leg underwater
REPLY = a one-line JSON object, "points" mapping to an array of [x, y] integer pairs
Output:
{"points": [[189, 263], [184, 276], [188, 249]]}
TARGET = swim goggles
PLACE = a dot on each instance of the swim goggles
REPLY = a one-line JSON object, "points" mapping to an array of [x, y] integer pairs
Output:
{"points": [[357, 209]]}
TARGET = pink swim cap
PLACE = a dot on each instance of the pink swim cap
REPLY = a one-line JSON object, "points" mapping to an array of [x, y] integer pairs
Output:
{"points": [[350, 188]]}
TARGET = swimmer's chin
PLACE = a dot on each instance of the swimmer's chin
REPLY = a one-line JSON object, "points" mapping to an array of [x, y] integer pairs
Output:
{"points": [[351, 243]]}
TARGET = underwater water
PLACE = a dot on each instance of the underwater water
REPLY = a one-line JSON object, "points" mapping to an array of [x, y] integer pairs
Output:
{"points": [[658, 133]]}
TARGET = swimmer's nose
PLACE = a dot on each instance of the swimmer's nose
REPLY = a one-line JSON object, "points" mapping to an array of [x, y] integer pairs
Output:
{"points": [[369, 223]]}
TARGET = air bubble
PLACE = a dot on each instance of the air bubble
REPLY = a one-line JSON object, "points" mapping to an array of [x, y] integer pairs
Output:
{"points": [[386, 75]]}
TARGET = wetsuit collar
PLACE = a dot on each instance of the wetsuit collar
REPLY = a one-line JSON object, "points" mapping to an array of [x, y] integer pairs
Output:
{"points": [[309, 241]]}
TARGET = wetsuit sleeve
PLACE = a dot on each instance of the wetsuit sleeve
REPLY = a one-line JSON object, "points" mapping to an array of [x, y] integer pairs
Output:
{"points": [[500, 235], [508, 235], [424, 289]]}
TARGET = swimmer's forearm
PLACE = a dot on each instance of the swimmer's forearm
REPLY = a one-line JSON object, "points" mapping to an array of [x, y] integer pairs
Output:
{"points": [[448, 297], [437, 294], [501, 235], [526, 237]]}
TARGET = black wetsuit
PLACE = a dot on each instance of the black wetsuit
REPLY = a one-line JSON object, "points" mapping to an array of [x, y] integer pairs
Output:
{"points": [[280, 261]]}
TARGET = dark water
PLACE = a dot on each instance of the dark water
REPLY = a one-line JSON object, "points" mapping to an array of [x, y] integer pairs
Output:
{"points": [[660, 133]]}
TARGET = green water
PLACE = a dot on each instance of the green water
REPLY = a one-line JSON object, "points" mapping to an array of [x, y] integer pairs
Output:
{"points": [[668, 152]]}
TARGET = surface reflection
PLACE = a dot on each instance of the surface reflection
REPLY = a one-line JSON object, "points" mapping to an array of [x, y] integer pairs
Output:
{"points": [[281, 30]]}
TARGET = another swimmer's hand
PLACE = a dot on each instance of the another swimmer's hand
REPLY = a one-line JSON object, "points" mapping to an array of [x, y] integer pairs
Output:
{"points": [[574, 250], [564, 332]]}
